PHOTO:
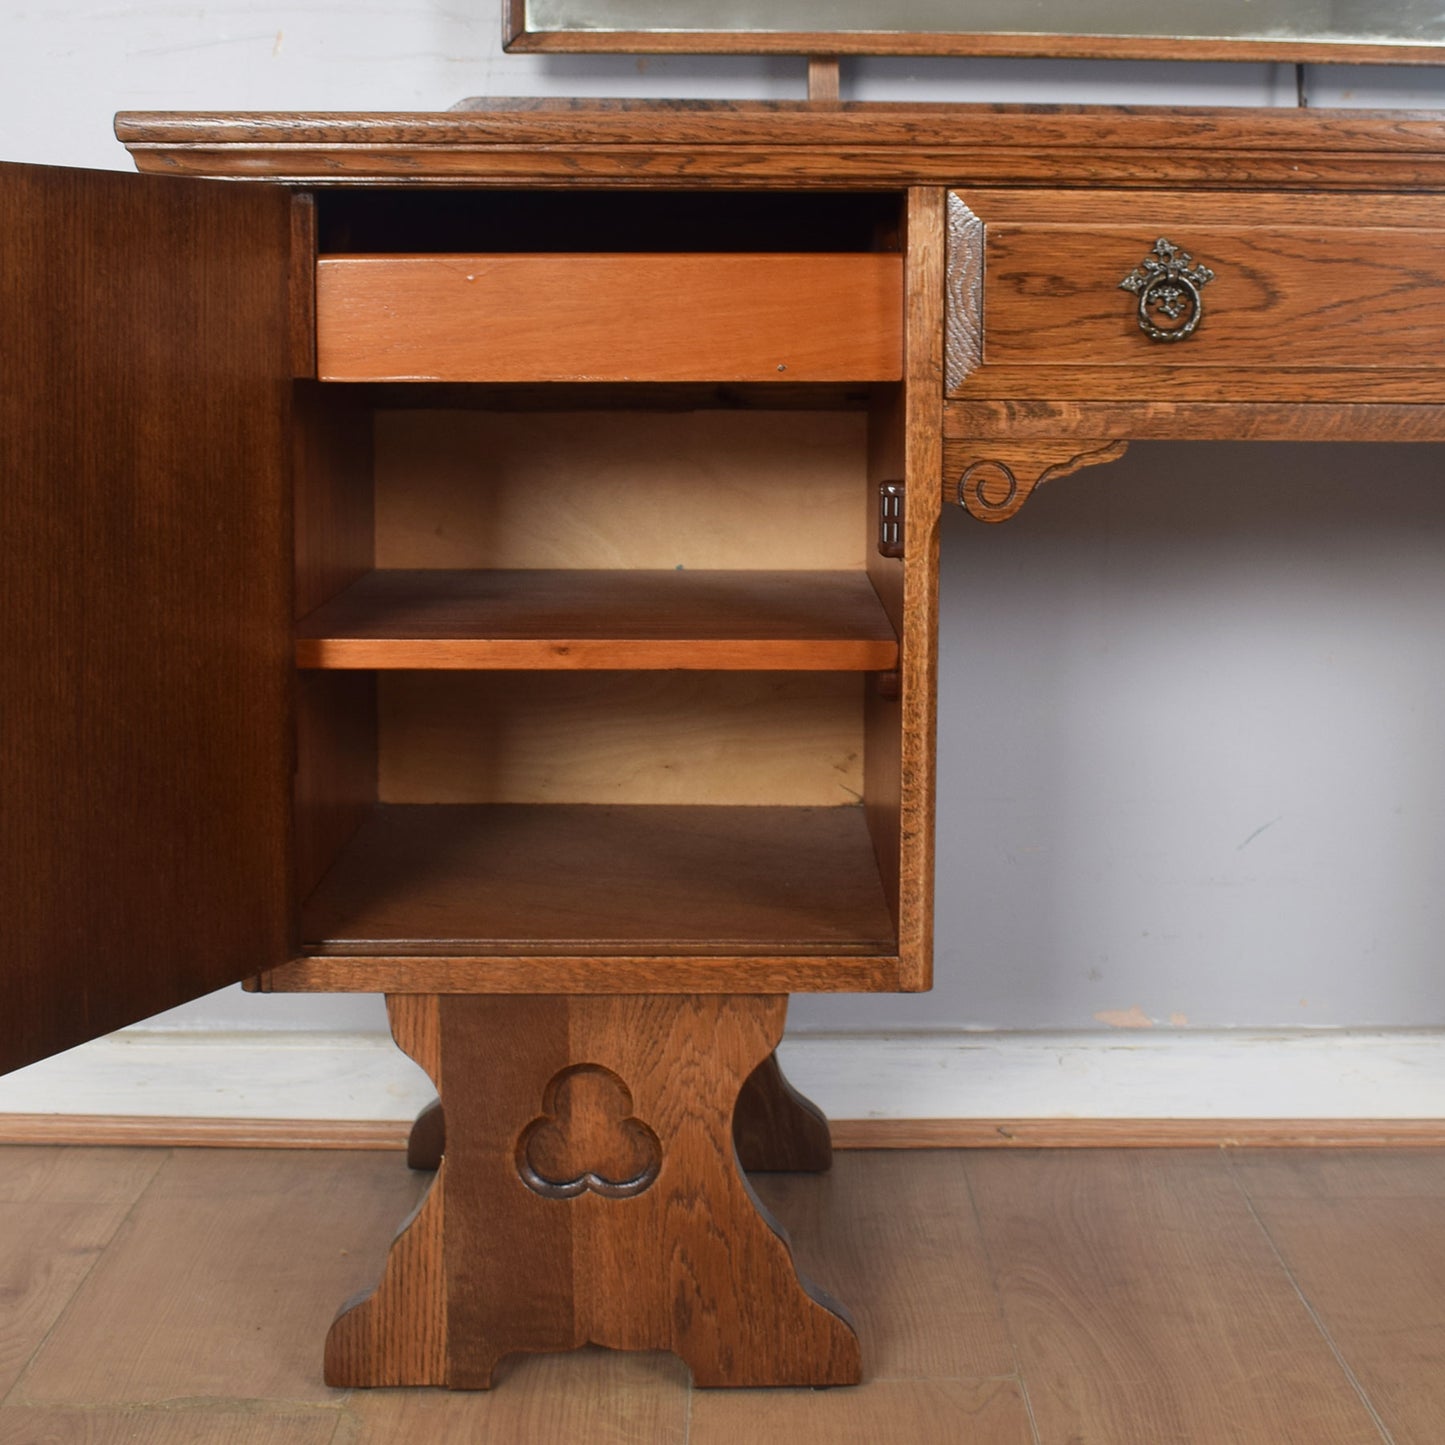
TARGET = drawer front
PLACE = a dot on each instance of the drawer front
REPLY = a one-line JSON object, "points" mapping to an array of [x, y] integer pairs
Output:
{"points": [[674, 317], [1213, 297]]}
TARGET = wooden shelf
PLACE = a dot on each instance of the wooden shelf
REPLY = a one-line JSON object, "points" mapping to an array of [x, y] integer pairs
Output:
{"points": [[719, 621], [602, 879]]}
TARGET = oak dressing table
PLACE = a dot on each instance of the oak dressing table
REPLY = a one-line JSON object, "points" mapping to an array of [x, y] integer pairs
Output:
{"points": [[490, 559]]}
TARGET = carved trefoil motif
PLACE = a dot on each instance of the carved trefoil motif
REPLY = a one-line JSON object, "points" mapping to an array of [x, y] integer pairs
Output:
{"points": [[586, 1139], [1167, 283]]}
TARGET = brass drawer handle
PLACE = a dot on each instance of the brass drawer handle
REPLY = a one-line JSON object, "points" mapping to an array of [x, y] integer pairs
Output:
{"points": [[1167, 284]]}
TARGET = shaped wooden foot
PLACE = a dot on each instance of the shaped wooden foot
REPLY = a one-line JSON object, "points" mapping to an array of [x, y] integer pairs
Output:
{"points": [[590, 1193], [776, 1130], [428, 1138]]}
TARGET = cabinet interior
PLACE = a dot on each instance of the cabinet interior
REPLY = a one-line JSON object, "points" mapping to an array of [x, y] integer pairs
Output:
{"points": [[597, 670]]}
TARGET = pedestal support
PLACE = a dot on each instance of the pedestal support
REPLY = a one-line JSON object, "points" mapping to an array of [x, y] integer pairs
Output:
{"points": [[590, 1193]]}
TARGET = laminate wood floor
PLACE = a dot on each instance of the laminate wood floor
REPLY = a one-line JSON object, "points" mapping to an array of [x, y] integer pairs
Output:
{"points": [[1008, 1297]]}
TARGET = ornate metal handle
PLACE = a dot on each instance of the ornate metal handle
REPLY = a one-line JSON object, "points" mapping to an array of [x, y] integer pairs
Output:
{"points": [[1167, 284]]}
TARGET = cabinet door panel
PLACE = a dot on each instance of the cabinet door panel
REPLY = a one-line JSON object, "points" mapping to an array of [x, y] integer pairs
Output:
{"points": [[144, 557]]}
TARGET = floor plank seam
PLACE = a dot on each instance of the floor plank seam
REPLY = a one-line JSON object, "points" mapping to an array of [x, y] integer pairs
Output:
{"points": [[1345, 1368], [1018, 1373], [14, 1395]]}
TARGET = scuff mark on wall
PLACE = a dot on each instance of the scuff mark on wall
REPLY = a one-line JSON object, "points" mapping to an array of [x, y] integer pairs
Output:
{"points": [[1262, 827], [1125, 1018]]}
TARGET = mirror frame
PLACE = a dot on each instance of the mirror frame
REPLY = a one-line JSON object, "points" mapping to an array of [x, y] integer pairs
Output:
{"points": [[517, 37]]}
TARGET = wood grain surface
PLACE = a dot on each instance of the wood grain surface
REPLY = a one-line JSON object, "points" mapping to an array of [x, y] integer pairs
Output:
{"points": [[236, 1307], [775, 1129], [912, 1262], [530, 1262], [659, 736], [1154, 420], [1364, 1238], [918, 705], [590, 1394], [981, 1412], [747, 144], [144, 507], [1351, 1233], [808, 621], [59, 1209], [703, 488], [600, 880], [1355, 296], [1149, 1307], [24, 1426], [591, 317], [992, 480]]}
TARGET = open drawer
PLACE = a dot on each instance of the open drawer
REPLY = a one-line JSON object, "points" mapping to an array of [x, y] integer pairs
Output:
{"points": [[526, 317]]}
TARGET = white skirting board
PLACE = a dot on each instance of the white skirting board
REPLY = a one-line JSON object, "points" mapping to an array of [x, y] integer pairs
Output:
{"points": [[1179, 1075]]}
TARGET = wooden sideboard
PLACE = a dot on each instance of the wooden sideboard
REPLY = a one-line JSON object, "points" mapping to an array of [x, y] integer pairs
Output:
{"points": [[490, 559]]}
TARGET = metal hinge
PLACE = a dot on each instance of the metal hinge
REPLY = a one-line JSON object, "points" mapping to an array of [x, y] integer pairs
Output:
{"points": [[891, 515]]}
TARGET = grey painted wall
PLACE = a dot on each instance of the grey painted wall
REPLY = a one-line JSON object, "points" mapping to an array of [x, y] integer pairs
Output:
{"points": [[1191, 703]]}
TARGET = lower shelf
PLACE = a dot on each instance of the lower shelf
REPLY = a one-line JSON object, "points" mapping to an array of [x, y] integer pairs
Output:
{"points": [[596, 880]]}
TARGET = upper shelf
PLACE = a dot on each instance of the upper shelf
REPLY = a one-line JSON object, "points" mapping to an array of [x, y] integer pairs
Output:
{"points": [[610, 317], [724, 621]]}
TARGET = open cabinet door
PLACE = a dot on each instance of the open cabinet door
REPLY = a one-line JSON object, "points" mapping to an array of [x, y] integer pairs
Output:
{"points": [[144, 586]]}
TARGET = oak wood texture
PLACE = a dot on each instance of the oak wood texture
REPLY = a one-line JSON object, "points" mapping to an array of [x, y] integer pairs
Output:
{"points": [[58, 1211], [597, 880], [427, 1141], [586, 618], [1154, 420], [789, 739], [159, 1131], [904, 1245], [145, 672], [692, 972], [981, 1412], [774, 1128], [917, 705], [1300, 284], [529, 1240], [1151, 1307], [594, 317], [1138, 1133], [302, 284], [599, 1396], [992, 480], [239, 1311], [649, 144], [335, 780], [909, 1257], [22, 1426], [1365, 1243], [823, 79]]}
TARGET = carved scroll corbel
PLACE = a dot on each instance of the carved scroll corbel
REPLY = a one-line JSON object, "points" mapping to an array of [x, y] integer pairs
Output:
{"points": [[992, 480]]}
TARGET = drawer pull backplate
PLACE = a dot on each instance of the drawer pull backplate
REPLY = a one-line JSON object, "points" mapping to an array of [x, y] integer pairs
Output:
{"points": [[1168, 283]]}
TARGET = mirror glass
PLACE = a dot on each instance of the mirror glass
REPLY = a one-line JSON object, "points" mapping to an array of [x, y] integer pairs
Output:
{"points": [[993, 26]]}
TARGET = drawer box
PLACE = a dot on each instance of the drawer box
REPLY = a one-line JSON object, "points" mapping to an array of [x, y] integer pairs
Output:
{"points": [[1299, 302], [614, 317]]}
